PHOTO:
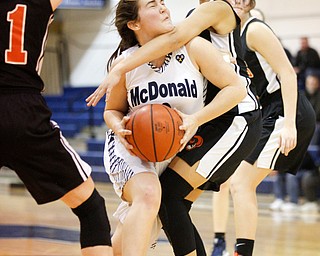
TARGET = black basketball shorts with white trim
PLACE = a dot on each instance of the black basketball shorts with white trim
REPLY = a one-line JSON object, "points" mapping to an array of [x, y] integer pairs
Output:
{"points": [[267, 153], [35, 149], [221, 144]]}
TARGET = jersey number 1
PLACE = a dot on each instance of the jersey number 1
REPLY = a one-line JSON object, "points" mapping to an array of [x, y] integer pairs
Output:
{"points": [[16, 54]]}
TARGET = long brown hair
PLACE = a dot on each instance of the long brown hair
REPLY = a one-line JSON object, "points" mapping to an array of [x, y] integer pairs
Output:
{"points": [[127, 10]]}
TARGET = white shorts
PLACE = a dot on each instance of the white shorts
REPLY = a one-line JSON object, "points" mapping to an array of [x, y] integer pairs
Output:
{"points": [[270, 153], [121, 165]]}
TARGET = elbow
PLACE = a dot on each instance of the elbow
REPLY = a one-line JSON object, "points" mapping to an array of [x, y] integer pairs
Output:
{"points": [[105, 116]]}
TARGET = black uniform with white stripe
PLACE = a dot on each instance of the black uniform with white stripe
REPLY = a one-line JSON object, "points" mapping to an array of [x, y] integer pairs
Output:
{"points": [[221, 144], [267, 153], [31, 144]]}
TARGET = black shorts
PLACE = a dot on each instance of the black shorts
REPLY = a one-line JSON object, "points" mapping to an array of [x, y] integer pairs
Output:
{"points": [[220, 145], [32, 145], [267, 153]]}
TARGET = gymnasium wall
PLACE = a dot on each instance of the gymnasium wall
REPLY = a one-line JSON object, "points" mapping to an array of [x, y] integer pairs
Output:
{"points": [[88, 39]]}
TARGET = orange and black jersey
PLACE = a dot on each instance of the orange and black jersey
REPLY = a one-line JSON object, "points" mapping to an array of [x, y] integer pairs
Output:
{"points": [[24, 29]]}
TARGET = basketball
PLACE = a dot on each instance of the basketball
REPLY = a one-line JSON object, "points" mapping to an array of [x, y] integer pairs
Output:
{"points": [[155, 132]]}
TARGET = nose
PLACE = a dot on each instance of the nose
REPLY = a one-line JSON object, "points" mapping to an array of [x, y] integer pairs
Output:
{"points": [[163, 8]]}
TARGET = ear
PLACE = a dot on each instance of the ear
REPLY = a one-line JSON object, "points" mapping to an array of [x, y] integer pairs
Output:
{"points": [[133, 25]]}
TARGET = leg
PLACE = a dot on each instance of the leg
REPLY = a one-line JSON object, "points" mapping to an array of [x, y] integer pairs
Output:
{"points": [[310, 185], [88, 205], [279, 190], [220, 214], [243, 189], [117, 240], [293, 188], [174, 213], [143, 191], [189, 199]]}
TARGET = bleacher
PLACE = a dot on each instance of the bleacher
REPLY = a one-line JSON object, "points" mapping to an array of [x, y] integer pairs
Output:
{"points": [[69, 110]]}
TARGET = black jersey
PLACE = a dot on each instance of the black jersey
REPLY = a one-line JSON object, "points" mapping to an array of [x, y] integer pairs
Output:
{"points": [[230, 44], [263, 77], [24, 28]]}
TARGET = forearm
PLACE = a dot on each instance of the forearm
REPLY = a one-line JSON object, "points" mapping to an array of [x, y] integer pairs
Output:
{"points": [[113, 119], [289, 95], [225, 100]]}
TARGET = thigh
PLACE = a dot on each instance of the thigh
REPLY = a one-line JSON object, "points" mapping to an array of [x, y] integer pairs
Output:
{"points": [[188, 173], [248, 176]]}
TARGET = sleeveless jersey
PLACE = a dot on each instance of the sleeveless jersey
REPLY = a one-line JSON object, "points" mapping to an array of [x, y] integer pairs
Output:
{"points": [[176, 83], [230, 46], [264, 78], [24, 28]]}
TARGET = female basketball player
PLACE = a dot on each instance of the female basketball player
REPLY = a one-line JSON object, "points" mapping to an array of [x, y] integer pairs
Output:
{"points": [[222, 143], [31, 144], [136, 181], [288, 121]]}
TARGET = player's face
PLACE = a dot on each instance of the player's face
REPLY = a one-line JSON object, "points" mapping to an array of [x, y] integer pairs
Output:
{"points": [[154, 18], [241, 7]]}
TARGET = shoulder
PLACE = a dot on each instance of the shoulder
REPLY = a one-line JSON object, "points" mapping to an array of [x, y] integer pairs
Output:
{"points": [[196, 44], [219, 15], [258, 32]]}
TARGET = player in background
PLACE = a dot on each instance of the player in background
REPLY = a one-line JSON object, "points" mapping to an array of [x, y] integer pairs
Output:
{"points": [[136, 181], [288, 121], [221, 199], [31, 144]]}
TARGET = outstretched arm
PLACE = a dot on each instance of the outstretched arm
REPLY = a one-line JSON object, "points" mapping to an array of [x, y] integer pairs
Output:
{"points": [[217, 14]]}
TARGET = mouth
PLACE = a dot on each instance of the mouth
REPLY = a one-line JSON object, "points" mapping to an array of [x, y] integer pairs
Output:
{"points": [[167, 19]]}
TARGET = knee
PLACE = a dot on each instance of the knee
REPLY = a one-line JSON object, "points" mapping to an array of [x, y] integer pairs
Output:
{"points": [[94, 222], [241, 185], [149, 198]]}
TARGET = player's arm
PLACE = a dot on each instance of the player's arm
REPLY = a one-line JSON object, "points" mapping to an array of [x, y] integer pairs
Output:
{"points": [[217, 14], [55, 4], [260, 38], [116, 109], [220, 73]]}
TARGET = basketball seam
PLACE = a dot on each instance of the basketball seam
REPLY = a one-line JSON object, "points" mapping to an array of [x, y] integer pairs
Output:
{"points": [[152, 130], [174, 132]]}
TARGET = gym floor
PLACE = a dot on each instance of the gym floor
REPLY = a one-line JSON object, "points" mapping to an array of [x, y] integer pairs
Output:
{"points": [[52, 229]]}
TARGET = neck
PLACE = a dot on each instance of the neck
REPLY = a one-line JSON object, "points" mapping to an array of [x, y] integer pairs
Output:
{"points": [[244, 19]]}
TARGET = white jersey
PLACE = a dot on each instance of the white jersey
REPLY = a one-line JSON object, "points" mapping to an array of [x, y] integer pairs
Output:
{"points": [[177, 83]]}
